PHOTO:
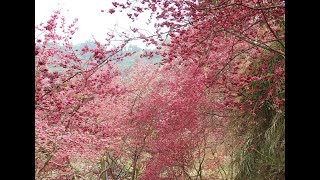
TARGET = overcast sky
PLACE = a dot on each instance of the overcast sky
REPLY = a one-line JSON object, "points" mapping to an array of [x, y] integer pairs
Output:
{"points": [[91, 20]]}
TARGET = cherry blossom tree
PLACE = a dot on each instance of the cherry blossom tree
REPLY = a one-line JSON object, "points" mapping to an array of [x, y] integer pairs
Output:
{"points": [[224, 62]]}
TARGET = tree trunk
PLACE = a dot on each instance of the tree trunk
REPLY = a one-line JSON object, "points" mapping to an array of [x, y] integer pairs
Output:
{"points": [[134, 166], [103, 167]]}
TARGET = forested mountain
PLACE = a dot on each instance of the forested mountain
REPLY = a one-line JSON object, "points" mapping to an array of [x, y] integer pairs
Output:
{"points": [[126, 62]]}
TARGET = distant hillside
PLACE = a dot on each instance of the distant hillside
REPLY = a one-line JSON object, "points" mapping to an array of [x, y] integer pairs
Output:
{"points": [[127, 61], [124, 64]]}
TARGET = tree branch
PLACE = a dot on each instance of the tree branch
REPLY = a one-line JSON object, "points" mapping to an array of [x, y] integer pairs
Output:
{"points": [[265, 19]]}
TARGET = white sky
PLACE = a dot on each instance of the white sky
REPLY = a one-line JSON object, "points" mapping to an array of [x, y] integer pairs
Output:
{"points": [[91, 20]]}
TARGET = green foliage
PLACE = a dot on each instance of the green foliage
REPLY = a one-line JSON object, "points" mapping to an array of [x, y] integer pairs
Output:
{"points": [[261, 153]]}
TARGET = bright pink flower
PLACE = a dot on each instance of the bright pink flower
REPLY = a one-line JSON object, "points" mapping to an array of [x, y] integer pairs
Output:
{"points": [[111, 11]]}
